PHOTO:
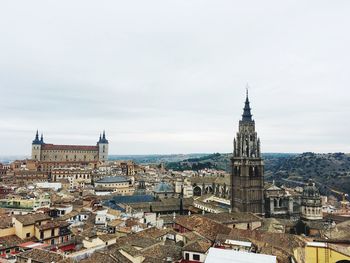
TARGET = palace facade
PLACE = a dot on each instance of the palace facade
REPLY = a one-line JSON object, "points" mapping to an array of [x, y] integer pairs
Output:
{"points": [[54, 153]]}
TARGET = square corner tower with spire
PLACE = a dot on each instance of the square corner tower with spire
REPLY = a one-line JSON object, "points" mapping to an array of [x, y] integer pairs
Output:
{"points": [[247, 174]]}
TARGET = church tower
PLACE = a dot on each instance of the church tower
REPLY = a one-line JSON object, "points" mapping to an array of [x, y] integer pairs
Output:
{"points": [[247, 176], [36, 147], [103, 148]]}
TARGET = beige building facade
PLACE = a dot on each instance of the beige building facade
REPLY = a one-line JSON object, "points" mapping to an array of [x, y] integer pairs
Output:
{"points": [[45, 152]]}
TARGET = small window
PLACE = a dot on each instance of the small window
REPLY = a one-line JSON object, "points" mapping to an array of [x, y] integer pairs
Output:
{"points": [[28, 235], [196, 257], [187, 256]]}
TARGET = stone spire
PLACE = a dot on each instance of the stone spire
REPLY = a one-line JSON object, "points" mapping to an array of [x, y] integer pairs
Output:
{"points": [[103, 138], [36, 139], [247, 115], [42, 138]]}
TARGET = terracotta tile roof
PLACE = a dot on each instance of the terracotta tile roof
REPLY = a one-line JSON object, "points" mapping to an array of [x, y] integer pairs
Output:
{"points": [[107, 237], [153, 232], [105, 257], [142, 242], [30, 219], [200, 246], [41, 256], [233, 217], [52, 224], [133, 240], [10, 241], [130, 250], [5, 221], [163, 252], [69, 147], [204, 226], [191, 236], [277, 244]]}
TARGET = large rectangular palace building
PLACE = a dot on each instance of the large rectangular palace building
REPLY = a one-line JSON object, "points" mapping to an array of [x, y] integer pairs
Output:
{"points": [[45, 152]]}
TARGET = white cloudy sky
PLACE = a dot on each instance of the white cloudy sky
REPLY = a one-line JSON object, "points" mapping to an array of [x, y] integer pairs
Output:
{"points": [[169, 76]]}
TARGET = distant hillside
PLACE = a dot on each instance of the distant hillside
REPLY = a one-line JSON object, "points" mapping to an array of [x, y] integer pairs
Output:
{"points": [[221, 161], [156, 158], [330, 171], [213, 161]]}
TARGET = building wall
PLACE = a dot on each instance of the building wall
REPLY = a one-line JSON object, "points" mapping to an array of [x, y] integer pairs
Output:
{"points": [[77, 177], [92, 242], [7, 231], [323, 254], [113, 185], [201, 256], [248, 226], [103, 152], [36, 149], [21, 231], [47, 233], [69, 155]]}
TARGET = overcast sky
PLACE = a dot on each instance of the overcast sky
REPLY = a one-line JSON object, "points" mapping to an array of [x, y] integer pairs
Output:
{"points": [[170, 76]]}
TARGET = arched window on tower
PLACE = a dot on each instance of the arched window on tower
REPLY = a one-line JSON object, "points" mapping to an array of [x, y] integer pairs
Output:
{"points": [[236, 170], [251, 171], [256, 170]]}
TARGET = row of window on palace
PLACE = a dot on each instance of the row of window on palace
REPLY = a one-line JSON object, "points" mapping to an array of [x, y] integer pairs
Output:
{"points": [[70, 151], [75, 157]]}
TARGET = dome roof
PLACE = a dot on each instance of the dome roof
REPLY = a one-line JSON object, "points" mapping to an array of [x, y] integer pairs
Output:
{"points": [[163, 187], [310, 190]]}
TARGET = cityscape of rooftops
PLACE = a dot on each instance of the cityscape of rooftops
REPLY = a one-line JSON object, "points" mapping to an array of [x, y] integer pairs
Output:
{"points": [[174, 131]]}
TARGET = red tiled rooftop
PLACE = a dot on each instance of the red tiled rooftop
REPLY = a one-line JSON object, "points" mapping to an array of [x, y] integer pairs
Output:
{"points": [[69, 147]]}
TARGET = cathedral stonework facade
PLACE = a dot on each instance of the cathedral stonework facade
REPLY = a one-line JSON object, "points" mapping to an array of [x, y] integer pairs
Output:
{"points": [[45, 152], [247, 175]]}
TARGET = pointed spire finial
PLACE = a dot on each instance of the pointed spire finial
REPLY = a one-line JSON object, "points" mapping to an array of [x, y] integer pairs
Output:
{"points": [[247, 88], [36, 139], [247, 116]]}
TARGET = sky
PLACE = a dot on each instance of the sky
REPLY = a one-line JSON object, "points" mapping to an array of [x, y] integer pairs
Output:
{"points": [[170, 76]]}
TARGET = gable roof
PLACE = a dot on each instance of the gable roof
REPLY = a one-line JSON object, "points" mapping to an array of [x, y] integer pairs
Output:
{"points": [[204, 226], [200, 246], [42, 256], [30, 219]]}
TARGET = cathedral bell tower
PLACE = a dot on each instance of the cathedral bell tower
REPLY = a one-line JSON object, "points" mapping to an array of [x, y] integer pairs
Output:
{"points": [[247, 176]]}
